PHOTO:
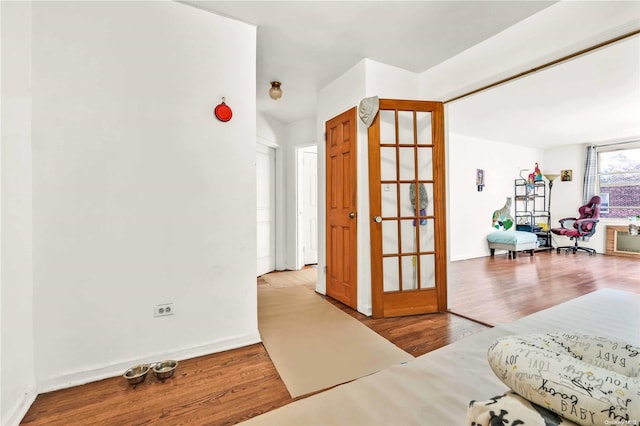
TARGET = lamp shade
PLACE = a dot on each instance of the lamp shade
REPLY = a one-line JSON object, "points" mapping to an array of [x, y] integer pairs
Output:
{"points": [[275, 92], [551, 176]]}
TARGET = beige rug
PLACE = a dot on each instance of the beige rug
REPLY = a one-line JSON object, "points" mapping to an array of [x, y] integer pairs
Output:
{"points": [[292, 278], [314, 345]]}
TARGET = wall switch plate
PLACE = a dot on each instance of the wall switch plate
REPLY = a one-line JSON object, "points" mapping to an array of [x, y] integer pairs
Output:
{"points": [[163, 310]]}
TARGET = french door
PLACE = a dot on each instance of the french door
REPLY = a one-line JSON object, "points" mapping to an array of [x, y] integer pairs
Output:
{"points": [[407, 205]]}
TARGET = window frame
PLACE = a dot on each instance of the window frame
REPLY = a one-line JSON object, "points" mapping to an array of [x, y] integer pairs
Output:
{"points": [[624, 146]]}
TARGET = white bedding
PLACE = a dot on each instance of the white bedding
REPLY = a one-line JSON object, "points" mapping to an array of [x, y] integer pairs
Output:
{"points": [[436, 388]]}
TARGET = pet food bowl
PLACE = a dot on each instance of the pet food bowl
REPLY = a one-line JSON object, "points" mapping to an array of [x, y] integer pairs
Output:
{"points": [[163, 370], [136, 374]]}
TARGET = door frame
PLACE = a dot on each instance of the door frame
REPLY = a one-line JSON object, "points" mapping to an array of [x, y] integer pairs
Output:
{"points": [[279, 200]]}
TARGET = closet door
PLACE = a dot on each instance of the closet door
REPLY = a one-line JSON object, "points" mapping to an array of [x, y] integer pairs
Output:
{"points": [[407, 196], [265, 208]]}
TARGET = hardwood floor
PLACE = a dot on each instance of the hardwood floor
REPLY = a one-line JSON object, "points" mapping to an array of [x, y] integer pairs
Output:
{"points": [[232, 386], [418, 334], [496, 289], [219, 389]]}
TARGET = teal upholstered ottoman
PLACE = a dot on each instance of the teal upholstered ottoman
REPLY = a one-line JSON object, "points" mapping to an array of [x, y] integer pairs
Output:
{"points": [[513, 241]]}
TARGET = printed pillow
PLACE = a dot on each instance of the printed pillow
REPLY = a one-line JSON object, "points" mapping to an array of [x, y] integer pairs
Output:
{"points": [[586, 379], [511, 409]]}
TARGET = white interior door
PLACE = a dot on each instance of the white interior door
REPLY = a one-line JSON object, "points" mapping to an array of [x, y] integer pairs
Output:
{"points": [[266, 208], [310, 205]]}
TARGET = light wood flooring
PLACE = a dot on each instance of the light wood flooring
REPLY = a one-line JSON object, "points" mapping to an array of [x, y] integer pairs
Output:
{"points": [[229, 387], [497, 289]]}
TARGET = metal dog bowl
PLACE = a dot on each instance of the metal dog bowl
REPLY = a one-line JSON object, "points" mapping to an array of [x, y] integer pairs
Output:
{"points": [[136, 374], [163, 370]]}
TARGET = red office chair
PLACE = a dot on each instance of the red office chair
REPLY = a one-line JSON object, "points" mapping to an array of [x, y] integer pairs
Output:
{"points": [[580, 227]]}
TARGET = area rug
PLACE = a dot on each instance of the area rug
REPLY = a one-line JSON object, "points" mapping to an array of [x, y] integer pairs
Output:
{"points": [[281, 279], [314, 345]]}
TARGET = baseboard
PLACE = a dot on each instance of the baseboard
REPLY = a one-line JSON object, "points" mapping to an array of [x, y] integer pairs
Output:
{"points": [[20, 408], [82, 377], [365, 309], [290, 267]]}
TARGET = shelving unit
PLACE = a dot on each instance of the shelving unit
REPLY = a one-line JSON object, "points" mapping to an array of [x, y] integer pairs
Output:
{"points": [[531, 213]]}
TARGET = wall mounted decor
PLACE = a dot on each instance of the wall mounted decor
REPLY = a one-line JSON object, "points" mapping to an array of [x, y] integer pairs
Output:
{"points": [[223, 112], [480, 179], [566, 175], [502, 218]]}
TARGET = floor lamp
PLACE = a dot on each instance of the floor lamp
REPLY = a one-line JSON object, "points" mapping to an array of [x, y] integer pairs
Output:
{"points": [[550, 177]]}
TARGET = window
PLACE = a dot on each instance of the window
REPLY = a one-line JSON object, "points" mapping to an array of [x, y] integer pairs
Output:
{"points": [[619, 180]]}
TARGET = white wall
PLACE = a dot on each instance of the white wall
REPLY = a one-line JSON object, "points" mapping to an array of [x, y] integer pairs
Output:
{"points": [[17, 356], [270, 129], [469, 211], [141, 196]]}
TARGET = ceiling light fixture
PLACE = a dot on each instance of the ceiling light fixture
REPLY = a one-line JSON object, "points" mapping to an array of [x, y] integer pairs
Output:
{"points": [[275, 92]]}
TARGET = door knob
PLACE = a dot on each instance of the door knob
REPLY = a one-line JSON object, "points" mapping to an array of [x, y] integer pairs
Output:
{"points": [[377, 219], [352, 215]]}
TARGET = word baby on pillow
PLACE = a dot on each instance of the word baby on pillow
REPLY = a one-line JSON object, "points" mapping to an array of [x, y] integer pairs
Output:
{"points": [[586, 379]]}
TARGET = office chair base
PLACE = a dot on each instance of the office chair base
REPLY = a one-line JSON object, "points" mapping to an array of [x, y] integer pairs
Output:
{"points": [[574, 250]]}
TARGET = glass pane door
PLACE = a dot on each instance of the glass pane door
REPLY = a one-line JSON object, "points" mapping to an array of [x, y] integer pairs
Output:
{"points": [[406, 191], [407, 194]]}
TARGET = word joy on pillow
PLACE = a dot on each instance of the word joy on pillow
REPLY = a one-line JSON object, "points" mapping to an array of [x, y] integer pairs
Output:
{"points": [[587, 379]]}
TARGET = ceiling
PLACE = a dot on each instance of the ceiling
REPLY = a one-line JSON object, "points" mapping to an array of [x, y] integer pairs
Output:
{"points": [[308, 44], [590, 99]]}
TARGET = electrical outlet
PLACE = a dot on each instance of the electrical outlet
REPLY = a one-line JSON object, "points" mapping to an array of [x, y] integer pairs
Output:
{"points": [[163, 310]]}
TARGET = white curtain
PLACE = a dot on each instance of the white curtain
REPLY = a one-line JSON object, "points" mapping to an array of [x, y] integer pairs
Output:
{"points": [[590, 174]]}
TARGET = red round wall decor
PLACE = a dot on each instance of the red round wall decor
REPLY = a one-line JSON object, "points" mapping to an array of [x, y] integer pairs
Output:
{"points": [[223, 112]]}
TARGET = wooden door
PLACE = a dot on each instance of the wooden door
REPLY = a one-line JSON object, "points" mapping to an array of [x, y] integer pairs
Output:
{"points": [[407, 202], [341, 208]]}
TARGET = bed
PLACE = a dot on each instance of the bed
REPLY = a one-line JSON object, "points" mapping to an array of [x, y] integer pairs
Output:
{"points": [[436, 388]]}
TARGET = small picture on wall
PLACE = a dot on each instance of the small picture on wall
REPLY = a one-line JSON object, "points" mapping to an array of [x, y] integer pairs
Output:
{"points": [[566, 175], [480, 179]]}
